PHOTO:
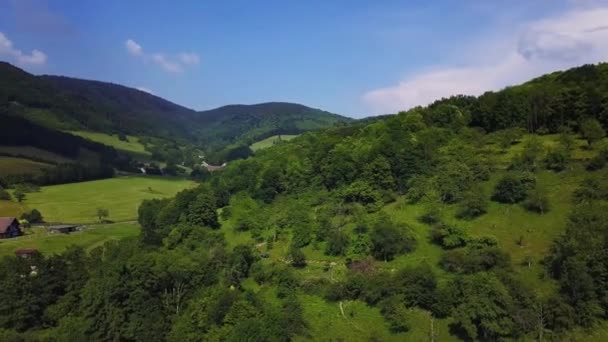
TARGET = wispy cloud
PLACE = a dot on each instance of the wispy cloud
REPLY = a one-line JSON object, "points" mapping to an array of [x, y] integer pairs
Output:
{"points": [[173, 64], [133, 48], [36, 57], [575, 37]]}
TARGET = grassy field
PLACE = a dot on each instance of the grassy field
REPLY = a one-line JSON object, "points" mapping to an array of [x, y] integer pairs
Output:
{"points": [[15, 166], [89, 238], [132, 145], [268, 142], [78, 202]]}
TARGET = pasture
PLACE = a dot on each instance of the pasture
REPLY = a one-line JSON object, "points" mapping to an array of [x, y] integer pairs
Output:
{"points": [[78, 202], [89, 238], [132, 146], [17, 166], [270, 141]]}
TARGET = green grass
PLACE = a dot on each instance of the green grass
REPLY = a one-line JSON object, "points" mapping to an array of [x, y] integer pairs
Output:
{"points": [[132, 145], [270, 141], [361, 322], [16, 166], [78, 202], [89, 238], [11, 209]]}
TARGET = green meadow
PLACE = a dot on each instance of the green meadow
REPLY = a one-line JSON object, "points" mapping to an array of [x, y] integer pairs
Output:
{"points": [[132, 145], [78, 202], [270, 141], [90, 237]]}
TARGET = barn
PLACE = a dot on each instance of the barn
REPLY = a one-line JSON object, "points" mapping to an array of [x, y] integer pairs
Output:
{"points": [[9, 227]]}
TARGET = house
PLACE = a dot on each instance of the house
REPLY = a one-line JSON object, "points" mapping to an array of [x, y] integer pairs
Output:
{"points": [[26, 252], [212, 168], [62, 228], [9, 227]]}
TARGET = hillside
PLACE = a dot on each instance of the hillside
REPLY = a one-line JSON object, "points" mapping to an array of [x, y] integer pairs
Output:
{"points": [[66, 103], [249, 123], [432, 224]]}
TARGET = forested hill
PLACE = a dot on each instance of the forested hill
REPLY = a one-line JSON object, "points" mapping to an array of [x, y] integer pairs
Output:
{"points": [[74, 104], [543, 104], [444, 223], [249, 123]]}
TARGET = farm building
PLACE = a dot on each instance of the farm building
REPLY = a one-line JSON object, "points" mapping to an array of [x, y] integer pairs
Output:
{"points": [[212, 168], [9, 227], [26, 252], [63, 228]]}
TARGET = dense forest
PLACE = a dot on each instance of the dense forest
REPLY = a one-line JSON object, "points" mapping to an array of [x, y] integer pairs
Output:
{"points": [[339, 193]]}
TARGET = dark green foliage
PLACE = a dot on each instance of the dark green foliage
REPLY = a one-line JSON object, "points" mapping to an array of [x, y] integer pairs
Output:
{"points": [[449, 236], [473, 204], [474, 259], [511, 189], [481, 307], [592, 130], [4, 195], [599, 161], [537, 201], [530, 157], [148, 212], [390, 239], [337, 243], [578, 261], [396, 313], [297, 257], [591, 189], [19, 195], [557, 159], [203, 210], [34, 216]]}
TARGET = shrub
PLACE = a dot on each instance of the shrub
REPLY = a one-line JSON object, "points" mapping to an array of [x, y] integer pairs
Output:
{"points": [[537, 201], [556, 159], [4, 195], [33, 216], [511, 189], [474, 204], [449, 236]]}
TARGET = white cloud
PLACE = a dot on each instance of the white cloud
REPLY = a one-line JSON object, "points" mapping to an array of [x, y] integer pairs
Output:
{"points": [[133, 48], [576, 37], [166, 64], [173, 64], [36, 57], [146, 90], [189, 58]]}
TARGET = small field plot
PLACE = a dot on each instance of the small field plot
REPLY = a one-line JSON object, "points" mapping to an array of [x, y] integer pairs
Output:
{"points": [[132, 144], [78, 202], [270, 141], [17, 166], [89, 238]]}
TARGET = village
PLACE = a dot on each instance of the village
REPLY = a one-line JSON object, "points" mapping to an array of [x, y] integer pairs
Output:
{"points": [[14, 228]]}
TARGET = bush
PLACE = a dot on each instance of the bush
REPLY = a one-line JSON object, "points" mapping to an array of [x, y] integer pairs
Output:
{"points": [[537, 201], [556, 159], [449, 236], [33, 216], [4, 195], [599, 161], [474, 204], [511, 189]]}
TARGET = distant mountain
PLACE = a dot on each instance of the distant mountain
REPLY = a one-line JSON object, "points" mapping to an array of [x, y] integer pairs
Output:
{"points": [[249, 123], [74, 104]]}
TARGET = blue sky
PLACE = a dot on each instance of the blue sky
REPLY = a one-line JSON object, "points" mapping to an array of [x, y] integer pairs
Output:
{"points": [[356, 58]]}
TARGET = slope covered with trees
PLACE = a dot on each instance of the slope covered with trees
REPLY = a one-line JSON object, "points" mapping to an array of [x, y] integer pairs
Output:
{"points": [[74, 104], [446, 222]]}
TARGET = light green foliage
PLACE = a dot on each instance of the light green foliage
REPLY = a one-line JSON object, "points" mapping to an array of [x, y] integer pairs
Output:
{"points": [[131, 144], [92, 236], [78, 202], [271, 141], [592, 130]]}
